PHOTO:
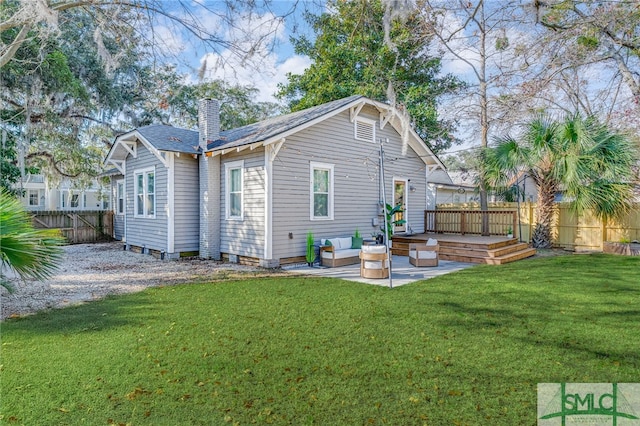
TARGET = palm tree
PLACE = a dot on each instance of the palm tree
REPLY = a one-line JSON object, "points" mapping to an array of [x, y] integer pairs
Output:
{"points": [[580, 156], [31, 253]]}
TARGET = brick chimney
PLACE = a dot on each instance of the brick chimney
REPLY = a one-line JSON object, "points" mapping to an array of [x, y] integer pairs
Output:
{"points": [[209, 180], [208, 121]]}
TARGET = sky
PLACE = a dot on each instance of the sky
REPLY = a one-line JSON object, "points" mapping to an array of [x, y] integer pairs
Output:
{"points": [[260, 32], [273, 56]]}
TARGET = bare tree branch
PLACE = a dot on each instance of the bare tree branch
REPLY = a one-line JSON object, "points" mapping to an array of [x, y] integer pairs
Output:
{"points": [[10, 51], [53, 162]]}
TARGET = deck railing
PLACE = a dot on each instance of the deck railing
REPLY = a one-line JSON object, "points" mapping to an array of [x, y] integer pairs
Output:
{"points": [[470, 221]]}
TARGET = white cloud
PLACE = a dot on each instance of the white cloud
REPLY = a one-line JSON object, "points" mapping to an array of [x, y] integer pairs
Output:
{"points": [[264, 74], [169, 40], [252, 58]]}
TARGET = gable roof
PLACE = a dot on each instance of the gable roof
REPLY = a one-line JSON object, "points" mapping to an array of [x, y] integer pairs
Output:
{"points": [[276, 129], [169, 138], [162, 138], [157, 138], [277, 126]]}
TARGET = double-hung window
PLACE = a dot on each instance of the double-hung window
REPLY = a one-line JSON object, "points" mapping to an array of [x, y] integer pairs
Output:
{"points": [[144, 182], [75, 201], [321, 189], [34, 198], [234, 190], [120, 197]]}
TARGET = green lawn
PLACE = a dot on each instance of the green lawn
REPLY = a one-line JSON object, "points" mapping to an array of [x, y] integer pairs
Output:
{"points": [[465, 348]]}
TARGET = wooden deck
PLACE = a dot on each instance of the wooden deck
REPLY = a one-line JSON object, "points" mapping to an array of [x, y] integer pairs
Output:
{"points": [[493, 250]]}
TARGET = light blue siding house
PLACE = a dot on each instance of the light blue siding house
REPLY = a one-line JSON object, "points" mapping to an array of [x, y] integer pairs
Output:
{"points": [[251, 194]]}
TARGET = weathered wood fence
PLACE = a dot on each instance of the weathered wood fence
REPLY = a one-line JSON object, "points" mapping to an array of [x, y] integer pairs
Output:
{"points": [[583, 233], [77, 226]]}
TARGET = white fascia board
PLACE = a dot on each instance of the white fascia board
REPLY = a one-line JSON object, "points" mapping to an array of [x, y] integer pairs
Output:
{"points": [[119, 165], [418, 145], [127, 144], [355, 110], [151, 148], [123, 146], [284, 135], [389, 115]]}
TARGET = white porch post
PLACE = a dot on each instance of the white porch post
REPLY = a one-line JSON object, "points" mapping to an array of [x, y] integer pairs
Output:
{"points": [[270, 153]]}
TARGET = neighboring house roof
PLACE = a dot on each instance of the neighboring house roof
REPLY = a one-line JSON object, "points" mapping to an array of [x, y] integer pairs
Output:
{"points": [[110, 172], [463, 179], [440, 176], [276, 126]]}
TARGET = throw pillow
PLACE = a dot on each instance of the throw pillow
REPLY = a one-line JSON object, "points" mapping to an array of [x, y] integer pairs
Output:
{"points": [[356, 243]]}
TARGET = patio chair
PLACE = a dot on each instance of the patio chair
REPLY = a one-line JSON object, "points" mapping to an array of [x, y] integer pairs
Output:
{"points": [[374, 262], [424, 254]]}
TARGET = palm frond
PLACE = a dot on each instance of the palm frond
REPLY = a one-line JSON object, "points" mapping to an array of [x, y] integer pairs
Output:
{"points": [[31, 253], [592, 164]]}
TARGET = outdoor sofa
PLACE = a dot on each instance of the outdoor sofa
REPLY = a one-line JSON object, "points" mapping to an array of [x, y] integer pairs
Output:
{"points": [[340, 251]]}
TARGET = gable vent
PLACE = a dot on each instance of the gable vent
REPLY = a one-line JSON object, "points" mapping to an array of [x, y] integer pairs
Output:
{"points": [[365, 129]]}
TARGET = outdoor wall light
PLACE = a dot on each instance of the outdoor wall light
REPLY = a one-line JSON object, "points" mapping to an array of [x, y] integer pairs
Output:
{"points": [[412, 188]]}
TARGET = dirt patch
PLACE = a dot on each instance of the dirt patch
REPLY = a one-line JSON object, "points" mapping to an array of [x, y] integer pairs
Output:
{"points": [[552, 252], [93, 271]]}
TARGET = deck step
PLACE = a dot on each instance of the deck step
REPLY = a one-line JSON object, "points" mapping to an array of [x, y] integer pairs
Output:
{"points": [[490, 260], [477, 252], [511, 257], [492, 253]]}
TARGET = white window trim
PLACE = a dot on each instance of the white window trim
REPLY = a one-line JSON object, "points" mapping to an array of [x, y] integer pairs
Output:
{"points": [[368, 122], [233, 165], [117, 203], [321, 166], [37, 193], [72, 195], [145, 173]]}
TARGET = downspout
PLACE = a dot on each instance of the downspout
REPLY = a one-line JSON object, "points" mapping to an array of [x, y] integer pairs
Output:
{"points": [[387, 240]]}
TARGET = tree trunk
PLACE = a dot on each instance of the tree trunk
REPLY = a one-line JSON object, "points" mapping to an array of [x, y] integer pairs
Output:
{"points": [[484, 117], [544, 211]]}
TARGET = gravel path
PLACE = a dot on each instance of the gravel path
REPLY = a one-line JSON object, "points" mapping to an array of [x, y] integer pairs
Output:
{"points": [[92, 271]]}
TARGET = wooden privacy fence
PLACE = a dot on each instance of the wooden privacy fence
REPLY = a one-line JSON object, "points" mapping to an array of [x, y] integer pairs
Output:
{"points": [[584, 233], [77, 227]]}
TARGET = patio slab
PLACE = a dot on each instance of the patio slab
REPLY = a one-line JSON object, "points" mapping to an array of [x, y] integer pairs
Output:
{"points": [[402, 272]]}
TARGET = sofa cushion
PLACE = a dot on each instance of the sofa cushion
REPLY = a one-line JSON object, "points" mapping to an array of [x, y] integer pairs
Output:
{"points": [[432, 242], [345, 243], [341, 254], [375, 264], [374, 249], [338, 243], [423, 254]]}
